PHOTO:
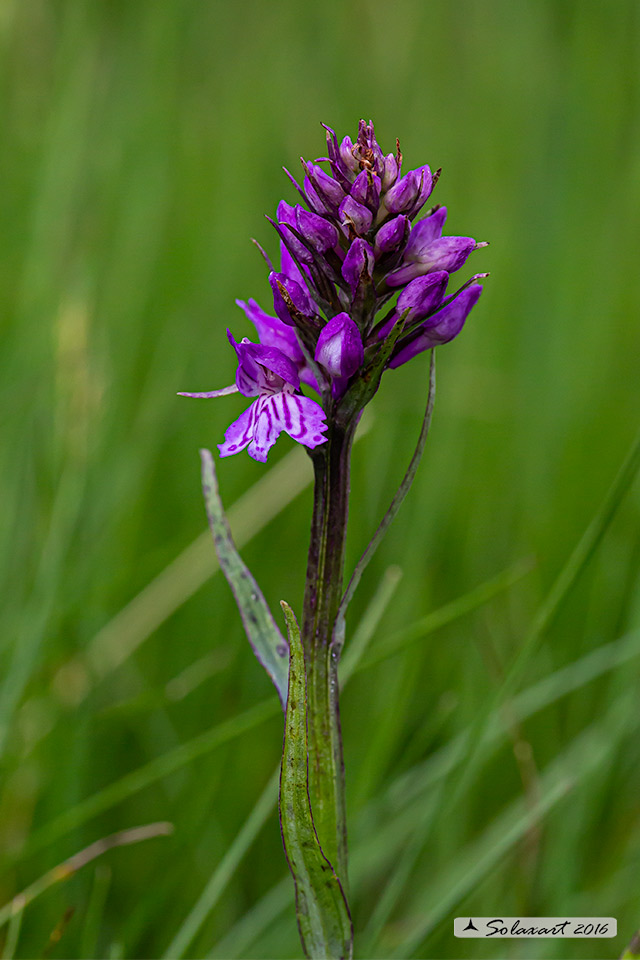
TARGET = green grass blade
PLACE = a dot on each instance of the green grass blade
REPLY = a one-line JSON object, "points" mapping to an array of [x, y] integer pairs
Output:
{"points": [[267, 642], [581, 759], [569, 574], [79, 860], [321, 907], [448, 613], [365, 631], [151, 772], [184, 754], [396, 503], [224, 871]]}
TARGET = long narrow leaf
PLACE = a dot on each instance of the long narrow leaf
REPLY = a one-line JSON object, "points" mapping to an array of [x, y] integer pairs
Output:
{"points": [[391, 513], [268, 644], [321, 906]]}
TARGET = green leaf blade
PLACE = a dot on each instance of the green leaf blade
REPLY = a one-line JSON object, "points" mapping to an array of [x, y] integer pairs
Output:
{"points": [[321, 907], [267, 642]]}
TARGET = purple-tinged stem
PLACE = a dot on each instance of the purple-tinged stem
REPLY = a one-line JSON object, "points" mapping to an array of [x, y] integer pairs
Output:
{"points": [[323, 593]]}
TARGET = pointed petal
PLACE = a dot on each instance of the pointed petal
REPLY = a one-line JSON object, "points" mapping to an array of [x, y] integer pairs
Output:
{"points": [[224, 392], [272, 332]]}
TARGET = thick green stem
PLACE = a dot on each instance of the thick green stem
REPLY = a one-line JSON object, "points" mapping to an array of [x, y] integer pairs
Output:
{"points": [[322, 599]]}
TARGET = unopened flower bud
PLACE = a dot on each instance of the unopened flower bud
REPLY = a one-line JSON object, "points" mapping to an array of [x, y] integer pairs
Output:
{"points": [[358, 263], [402, 196], [440, 328], [366, 189], [391, 171], [320, 234], [329, 192], [298, 299], [353, 212], [391, 234], [339, 348]]}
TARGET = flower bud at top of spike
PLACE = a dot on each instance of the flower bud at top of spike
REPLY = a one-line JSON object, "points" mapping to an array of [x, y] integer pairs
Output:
{"points": [[340, 170], [358, 263], [320, 234], [391, 234], [391, 171], [367, 149], [339, 348], [366, 189], [402, 196], [426, 183], [329, 192], [346, 155], [298, 297], [355, 213]]}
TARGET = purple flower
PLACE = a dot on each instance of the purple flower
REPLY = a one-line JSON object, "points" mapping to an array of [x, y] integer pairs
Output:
{"points": [[391, 234], [421, 297], [270, 376], [410, 192], [358, 264], [427, 250], [356, 214], [440, 328], [366, 189], [324, 194], [272, 332], [299, 300], [339, 348], [347, 246]]}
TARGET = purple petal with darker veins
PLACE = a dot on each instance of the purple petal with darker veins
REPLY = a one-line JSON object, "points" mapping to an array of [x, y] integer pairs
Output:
{"points": [[240, 433], [302, 418], [441, 328]]}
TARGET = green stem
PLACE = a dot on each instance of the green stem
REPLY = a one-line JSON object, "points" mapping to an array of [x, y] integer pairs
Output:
{"points": [[323, 593]]}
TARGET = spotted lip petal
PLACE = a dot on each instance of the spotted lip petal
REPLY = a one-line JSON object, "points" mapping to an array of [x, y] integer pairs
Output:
{"points": [[258, 428]]}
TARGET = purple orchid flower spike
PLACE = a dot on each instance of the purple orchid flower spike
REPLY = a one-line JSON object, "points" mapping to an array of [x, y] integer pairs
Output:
{"points": [[269, 375], [361, 288]]}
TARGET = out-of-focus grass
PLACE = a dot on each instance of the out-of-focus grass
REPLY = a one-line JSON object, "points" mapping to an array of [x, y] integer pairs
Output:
{"points": [[141, 144]]}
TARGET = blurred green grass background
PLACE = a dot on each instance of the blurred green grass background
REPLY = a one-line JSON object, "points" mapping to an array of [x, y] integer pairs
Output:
{"points": [[141, 144]]}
